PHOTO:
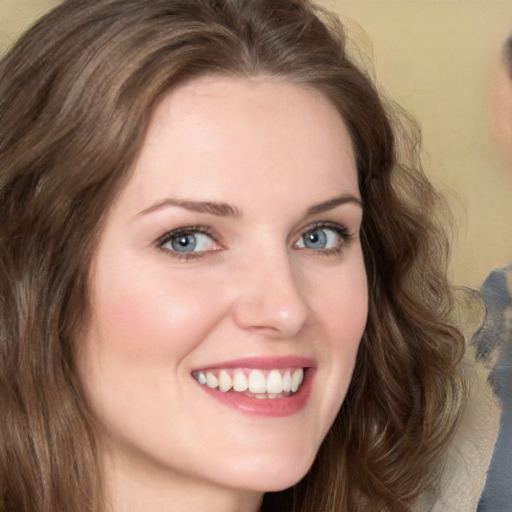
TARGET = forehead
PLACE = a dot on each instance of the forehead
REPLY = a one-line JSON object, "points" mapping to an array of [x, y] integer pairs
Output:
{"points": [[219, 133]]}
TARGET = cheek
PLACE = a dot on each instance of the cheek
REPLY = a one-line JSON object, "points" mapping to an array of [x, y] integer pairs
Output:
{"points": [[136, 348], [151, 317], [344, 308], [342, 314]]}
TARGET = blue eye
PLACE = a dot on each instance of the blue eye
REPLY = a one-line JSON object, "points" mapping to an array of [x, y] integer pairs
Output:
{"points": [[189, 240], [316, 239], [321, 238], [184, 243]]}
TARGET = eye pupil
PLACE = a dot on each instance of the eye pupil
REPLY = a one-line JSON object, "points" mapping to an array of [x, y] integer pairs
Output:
{"points": [[315, 239], [184, 243]]}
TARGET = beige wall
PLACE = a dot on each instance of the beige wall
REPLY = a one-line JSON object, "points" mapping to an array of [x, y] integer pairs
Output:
{"points": [[434, 57], [16, 15]]}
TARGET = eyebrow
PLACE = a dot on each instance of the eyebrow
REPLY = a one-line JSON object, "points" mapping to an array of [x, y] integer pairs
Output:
{"points": [[211, 207], [333, 203], [226, 210]]}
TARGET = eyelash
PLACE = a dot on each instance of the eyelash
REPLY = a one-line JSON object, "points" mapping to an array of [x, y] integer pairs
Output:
{"points": [[344, 234], [187, 230]]}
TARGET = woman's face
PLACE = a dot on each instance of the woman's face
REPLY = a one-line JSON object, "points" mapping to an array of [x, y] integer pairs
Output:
{"points": [[231, 258]]}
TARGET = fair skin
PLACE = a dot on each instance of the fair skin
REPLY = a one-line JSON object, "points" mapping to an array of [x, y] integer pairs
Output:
{"points": [[499, 111], [233, 249]]}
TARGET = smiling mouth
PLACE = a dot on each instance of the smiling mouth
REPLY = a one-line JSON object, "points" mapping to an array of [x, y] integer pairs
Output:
{"points": [[253, 382]]}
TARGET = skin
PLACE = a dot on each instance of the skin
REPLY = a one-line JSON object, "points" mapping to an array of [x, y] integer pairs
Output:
{"points": [[270, 150], [499, 110]]}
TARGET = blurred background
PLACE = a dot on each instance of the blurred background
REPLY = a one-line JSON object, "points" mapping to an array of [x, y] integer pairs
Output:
{"points": [[436, 58]]}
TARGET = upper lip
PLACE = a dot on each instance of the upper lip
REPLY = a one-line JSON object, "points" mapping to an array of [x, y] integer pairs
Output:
{"points": [[264, 363]]}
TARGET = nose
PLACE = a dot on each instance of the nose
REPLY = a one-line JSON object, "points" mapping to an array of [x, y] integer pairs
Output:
{"points": [[269, 297]]}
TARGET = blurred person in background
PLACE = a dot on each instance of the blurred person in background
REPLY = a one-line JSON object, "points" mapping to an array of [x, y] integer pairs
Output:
{"points": [[495, 336]]}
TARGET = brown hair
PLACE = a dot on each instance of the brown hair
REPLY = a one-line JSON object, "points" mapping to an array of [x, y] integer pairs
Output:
{"points": [[76, 96]]}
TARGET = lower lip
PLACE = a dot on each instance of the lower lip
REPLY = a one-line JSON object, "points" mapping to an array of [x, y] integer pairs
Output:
{"points": [[270, 407]]}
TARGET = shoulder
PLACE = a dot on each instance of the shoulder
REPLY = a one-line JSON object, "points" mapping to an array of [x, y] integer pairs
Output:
{"points": [[496, 293], [478, 469], [469, 454], [495, 349]]}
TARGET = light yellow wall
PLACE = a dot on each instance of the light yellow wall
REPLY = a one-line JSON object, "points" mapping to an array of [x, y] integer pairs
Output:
{"points": [[434, 57], [16, 15]]}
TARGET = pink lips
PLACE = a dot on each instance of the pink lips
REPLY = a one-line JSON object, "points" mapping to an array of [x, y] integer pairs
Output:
{"points": [[265, 363], [270, 407]]}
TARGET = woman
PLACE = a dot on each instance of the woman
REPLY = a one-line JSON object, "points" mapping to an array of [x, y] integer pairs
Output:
{"points": [[223, 284]]}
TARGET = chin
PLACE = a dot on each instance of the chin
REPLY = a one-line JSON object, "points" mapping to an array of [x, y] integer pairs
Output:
{"points": [[270, 475]]}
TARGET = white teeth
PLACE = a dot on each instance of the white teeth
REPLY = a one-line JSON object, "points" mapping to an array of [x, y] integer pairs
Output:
{"points": [[257, 382], [274, 382], [225, 382], [287, 381], [240, 382], [211, 380], [297, 377]]}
